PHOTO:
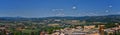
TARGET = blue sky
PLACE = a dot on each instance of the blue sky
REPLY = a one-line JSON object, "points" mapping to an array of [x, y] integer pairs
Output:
{"points": [[47, 8]]}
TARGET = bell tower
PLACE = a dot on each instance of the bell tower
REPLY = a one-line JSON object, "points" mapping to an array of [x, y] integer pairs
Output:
{"points": [[101, 29]]}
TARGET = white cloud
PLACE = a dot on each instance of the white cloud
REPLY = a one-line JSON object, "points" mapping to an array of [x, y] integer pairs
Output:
{"points": [[57, 9], [110, 6], [74, 7], [60, 14], [106, 10]]}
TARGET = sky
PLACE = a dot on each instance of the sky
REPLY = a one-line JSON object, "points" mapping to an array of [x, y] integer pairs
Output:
{"points": [[48, 8]]}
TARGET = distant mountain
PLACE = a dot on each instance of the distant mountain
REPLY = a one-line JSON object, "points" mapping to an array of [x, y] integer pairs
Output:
{"points": [[106, 18]]}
